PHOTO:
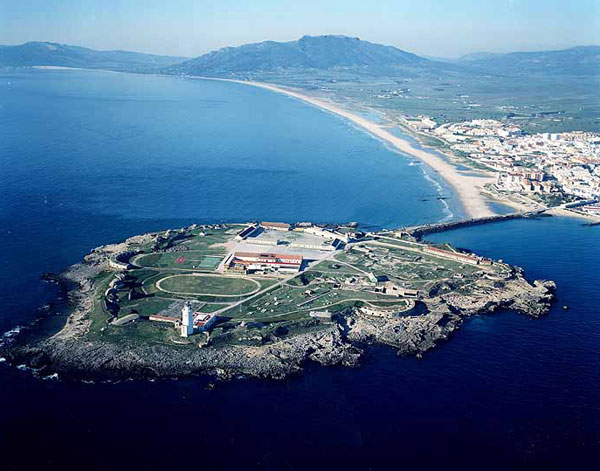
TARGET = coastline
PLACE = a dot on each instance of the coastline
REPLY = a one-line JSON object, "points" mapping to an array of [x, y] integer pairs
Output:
{"points": [[337, 345], [469, 188], [475, 200], [78, 352], [566, 212]]}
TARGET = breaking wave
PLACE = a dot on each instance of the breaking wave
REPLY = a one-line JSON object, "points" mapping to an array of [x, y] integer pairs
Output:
{"points": [[448, 214]]}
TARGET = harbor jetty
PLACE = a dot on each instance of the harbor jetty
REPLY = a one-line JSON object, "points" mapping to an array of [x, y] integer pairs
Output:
{"points": [[419, 231]]}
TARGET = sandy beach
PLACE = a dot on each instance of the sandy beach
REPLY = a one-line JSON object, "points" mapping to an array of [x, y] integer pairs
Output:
{"points": [[468, 187], [562, 211]]}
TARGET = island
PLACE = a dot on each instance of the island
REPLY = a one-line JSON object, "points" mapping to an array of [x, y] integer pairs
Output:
{"points": [[263, 299]]}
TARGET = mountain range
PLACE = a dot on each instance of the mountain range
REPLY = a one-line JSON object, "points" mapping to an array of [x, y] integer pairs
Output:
{"points": [[328, 52], [63, 55], [309, 52], [580, 60]]}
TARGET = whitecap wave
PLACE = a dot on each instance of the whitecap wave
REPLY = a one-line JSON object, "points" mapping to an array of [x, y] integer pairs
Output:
{"points": [[12, 332], [448, 214], [10, 335]]}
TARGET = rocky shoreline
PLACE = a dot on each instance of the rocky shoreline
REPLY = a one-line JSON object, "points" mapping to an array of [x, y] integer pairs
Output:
{"points": [[71, 353]]}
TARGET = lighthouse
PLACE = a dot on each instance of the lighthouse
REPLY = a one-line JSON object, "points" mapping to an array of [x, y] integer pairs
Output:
{"points": [[187, 321]]}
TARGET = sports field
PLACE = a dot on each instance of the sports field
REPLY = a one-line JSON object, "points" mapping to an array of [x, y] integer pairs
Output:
{"points": [[186, 260], [208, 285], [210, 262]]}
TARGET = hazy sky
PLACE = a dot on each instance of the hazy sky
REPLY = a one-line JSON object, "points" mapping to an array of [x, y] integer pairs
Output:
{"points": [[193, 27]]}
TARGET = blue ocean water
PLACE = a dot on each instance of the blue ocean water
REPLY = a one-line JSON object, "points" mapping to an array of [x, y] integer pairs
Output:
{"points": [[92, 157], [89, 158]]}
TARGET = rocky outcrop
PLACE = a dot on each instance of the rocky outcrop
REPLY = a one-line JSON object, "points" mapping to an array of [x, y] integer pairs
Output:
{"points": [[408, 335], [82, 359], [535, 302], [70, 353], [417, 334]]}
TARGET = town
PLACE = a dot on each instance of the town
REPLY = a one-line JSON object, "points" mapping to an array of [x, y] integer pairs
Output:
{"points": [[550, 168]]}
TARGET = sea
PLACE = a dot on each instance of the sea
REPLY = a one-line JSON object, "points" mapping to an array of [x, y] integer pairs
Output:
{"points": [[89, 158]]}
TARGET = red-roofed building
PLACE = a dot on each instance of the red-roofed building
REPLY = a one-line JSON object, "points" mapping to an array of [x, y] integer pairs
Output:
{"points": [[203, 321], [457, 256], [257, 261]]}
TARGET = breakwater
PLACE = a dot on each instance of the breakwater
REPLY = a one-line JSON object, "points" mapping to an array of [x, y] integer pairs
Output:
{"points": [[419, 231]]}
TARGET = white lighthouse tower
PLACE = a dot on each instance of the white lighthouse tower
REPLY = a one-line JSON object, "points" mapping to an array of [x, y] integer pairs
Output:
{"points": [[187, 321]]}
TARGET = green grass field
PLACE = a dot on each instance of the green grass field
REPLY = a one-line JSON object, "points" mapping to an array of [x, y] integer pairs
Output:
{"points": [[190, 260], [335, 284], [210, 262], [208, 285]]}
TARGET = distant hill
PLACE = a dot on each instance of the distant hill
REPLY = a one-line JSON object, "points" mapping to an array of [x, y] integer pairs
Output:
{"points": [[581, 60], [330, 52], [45, 53], [309, 52]]}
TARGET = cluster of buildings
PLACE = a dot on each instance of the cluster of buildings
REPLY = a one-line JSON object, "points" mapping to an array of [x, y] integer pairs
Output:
{"points": [[190, 322], [330, 239], [592, 209], [524, 180], [420, 123], [301, 236], [580, 180], [387, 94], [545, 163], [257, 262], [390, 288]]}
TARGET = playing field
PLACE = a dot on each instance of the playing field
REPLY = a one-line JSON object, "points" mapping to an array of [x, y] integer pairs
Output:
{"points": [[210, 262], [208, 285], [185, 260]]}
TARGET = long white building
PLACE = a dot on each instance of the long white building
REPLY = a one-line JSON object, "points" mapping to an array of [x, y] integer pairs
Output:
{"points": [[257, 261]]}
